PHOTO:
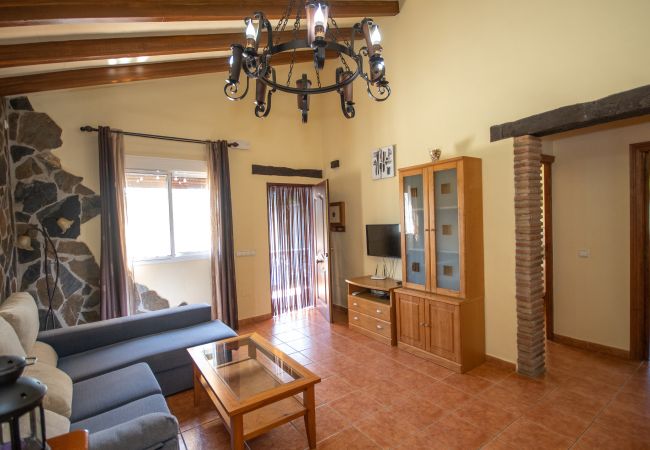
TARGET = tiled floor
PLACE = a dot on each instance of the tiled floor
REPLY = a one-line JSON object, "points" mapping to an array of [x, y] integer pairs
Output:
{"points": [[374, 396]]}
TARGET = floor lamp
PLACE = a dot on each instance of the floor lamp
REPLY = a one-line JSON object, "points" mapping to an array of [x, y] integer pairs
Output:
{"points": [[24, 242]]}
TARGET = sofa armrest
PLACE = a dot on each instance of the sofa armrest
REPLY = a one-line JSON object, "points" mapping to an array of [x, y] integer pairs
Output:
{"points": [[81, 338], [148, 432]]}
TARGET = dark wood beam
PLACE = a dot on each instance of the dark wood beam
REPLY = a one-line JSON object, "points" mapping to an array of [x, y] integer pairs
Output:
{"points": [[93, 49], [632, 103], [286, 171], [38, 12], [68, 79]]}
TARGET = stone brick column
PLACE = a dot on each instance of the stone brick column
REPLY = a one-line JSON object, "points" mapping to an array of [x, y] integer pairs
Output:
{"points": [[529, 256]]}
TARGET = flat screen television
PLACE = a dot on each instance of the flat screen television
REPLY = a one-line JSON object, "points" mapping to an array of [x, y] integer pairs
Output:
{"points": [[383, 240]]}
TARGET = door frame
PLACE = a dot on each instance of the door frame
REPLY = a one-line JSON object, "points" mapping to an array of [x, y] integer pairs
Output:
{"points": [[547, 162], [639, 258]]}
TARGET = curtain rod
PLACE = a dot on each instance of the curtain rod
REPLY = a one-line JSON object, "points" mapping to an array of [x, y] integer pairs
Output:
{"points": [[235, 144]]}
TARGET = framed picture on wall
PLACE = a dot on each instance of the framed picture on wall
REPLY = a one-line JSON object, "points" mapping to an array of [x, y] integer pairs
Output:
{"points": [[337, 216], [383, 162]]}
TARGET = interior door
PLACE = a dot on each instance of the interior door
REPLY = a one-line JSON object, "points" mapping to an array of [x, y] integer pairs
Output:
{"points": [[323, 282]]}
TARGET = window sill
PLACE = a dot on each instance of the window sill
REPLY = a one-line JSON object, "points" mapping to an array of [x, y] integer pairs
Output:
{"points": [[173, 259]]}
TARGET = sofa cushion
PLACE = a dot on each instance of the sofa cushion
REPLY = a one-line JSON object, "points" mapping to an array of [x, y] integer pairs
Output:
{"points": [[44, 353], [9, 342], [122, 414], [154, 431], [81, 338], [163, 351], [59, 387], [20, 311], [111, 390]]}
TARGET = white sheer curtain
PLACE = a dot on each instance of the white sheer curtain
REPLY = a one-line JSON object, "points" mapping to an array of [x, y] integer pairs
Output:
{"points": [[291, 244]]}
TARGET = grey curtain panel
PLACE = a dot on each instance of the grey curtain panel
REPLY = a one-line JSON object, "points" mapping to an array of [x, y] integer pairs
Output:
{"points": [[114, 280], [224, 289]]}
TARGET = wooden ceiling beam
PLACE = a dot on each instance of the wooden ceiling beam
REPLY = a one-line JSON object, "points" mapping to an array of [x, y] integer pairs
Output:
{"points": [[624, 105], [95, 49], [39, 12], [68, 79]]}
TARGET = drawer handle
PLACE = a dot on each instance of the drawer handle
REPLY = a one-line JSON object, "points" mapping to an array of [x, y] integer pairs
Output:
{"points": [[379, 311], [356, 318], [355, 304], [379, 327]]}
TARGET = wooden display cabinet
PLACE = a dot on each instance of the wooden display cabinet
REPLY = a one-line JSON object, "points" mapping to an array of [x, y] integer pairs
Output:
{"points": [[440, 307], [446, 330]]}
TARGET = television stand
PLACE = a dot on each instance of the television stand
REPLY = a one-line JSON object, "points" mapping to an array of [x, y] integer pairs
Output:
{"points": [[371, 307]]}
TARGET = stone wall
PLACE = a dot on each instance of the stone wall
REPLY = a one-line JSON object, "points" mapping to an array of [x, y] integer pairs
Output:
{"points": [[7, 229], [43, 194]]}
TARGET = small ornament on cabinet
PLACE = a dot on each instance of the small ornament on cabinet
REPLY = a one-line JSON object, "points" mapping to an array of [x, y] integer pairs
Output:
{"points": [[337, 216], [435, 154]]}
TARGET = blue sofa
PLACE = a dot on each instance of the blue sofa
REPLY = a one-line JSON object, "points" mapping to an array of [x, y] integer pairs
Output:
{"points": [[122, 368], [159, 338]]}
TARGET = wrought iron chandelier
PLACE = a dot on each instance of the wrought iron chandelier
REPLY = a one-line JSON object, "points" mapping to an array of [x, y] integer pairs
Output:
{"points": [[322, 37]]}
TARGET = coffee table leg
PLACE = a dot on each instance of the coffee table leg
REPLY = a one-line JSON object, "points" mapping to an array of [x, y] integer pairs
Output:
{"points": [[310, 416], [197, 385], [237, 432]]}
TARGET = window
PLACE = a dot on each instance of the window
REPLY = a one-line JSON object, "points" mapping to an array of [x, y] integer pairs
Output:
{"points": [[168, 214]]}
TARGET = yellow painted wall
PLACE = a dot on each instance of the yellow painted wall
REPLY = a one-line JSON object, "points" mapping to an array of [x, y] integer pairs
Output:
{"points": [[456, 68], [193, 107], [591, 211]]}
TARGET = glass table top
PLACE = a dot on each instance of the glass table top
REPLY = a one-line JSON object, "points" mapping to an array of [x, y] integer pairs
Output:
{"points": [[247, 366]]}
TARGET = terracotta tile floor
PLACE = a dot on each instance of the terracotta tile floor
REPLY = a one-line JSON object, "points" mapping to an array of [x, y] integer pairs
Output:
{"points": [[374, 396]]}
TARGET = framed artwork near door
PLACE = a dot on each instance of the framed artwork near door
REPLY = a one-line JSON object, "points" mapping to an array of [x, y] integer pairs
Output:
{"points": [[337, 216]]}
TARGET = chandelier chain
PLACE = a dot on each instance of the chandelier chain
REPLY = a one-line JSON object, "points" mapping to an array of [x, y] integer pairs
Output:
{"points": [[318, 78], [282, 24], [336, 38], [296, 28]]}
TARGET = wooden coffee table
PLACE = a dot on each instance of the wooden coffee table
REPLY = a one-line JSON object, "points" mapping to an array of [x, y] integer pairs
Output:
{"points": [[254, 386]]}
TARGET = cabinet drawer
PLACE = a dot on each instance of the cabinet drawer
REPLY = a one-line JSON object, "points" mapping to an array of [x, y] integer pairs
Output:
{"points": [[369, 323], [369, 307]]}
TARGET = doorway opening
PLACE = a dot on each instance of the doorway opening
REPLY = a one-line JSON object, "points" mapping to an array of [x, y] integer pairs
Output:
{"points": [[639, 251], [298, 248]]}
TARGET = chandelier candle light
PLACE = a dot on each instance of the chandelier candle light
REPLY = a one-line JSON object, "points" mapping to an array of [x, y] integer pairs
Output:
{"points": [[321, 38]]}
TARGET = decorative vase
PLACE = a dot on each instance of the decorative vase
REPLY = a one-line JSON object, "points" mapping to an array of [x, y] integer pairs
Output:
{"points": [[435, 153]]}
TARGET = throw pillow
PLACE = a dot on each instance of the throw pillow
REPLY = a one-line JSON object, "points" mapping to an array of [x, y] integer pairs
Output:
{"points": [[59, 387], [20, 311]]}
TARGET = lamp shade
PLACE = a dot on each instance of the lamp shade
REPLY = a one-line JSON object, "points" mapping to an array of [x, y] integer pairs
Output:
{"points": [[24, 242]]}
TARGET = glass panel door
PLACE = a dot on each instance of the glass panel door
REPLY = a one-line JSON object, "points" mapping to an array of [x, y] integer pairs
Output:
{"points": [[414, 229], [447, 238]]}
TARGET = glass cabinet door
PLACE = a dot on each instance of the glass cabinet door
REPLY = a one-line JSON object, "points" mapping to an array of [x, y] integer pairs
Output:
{"points": [[447, 243], [414, 229]]}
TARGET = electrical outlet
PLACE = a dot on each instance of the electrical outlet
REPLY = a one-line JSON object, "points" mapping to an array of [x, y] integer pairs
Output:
{"points": [[246, 253], [584, 253]]}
